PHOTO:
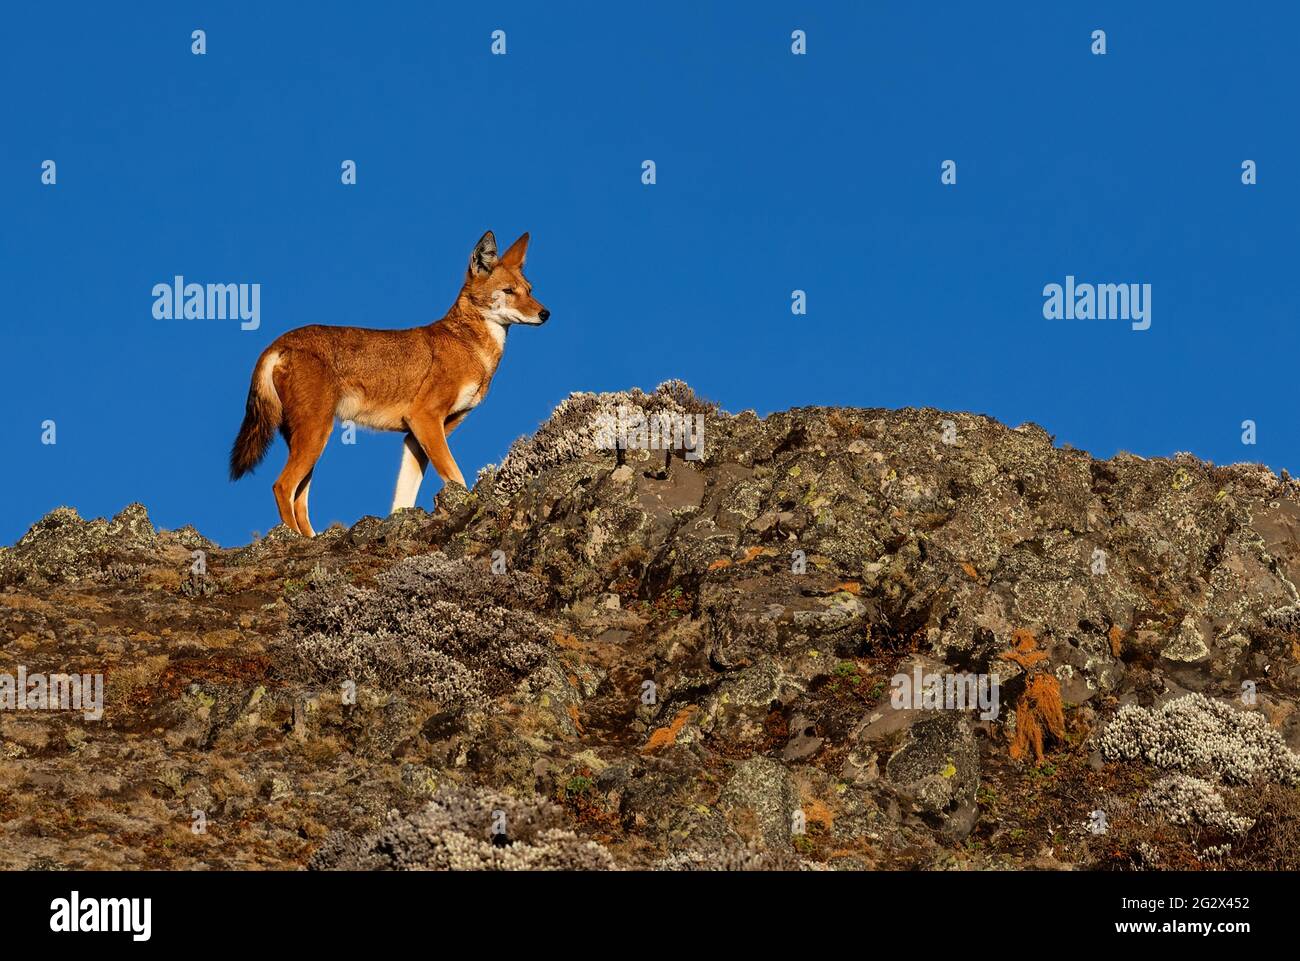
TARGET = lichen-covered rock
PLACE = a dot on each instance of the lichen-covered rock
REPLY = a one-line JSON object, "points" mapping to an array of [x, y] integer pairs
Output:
{"points": [[937, 769], [63, 547], [684, 659], [731, 856], [761, 794]]}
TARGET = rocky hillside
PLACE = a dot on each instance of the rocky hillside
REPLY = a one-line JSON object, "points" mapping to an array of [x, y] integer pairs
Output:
{"points": [[641, 660]]}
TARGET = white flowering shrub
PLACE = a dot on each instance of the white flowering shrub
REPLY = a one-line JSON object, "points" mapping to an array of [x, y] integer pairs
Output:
{"points": [[1191, 802], [574, 427], [443, 628], [1197, 735], [464, 829]]}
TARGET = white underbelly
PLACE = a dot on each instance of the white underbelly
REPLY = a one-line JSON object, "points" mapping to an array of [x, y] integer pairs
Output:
{"points": [[356, 410]]}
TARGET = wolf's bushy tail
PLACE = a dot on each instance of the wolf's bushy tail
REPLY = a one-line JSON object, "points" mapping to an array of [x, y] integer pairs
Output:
{"points": [[262, 415]]}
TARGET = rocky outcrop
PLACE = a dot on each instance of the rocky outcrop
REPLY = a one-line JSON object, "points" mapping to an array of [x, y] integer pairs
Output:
{"points": [[685, 659]]}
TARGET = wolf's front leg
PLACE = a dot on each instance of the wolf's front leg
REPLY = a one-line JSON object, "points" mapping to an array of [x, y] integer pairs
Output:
{"points": [[429, 431]]}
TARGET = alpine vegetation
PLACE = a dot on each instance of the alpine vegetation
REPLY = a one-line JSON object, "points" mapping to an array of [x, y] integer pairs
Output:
{"points": [[1189, 801], [584, 423], [1196, 735], [630, 659], [443, 628], [463, 829]]}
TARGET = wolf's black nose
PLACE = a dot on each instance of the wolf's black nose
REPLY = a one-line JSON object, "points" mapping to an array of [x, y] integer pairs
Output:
{"points": [[544, 314]]}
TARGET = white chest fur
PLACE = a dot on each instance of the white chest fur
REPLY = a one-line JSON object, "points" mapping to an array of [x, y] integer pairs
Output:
{"points": [[468, 397], [497, 331]]}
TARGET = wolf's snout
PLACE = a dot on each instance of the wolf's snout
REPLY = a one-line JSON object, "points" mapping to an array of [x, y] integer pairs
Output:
{"points": [[544, 315]]}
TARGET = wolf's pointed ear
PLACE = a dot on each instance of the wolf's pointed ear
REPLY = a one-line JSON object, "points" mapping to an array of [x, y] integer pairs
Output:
{"points": [[514, 257], [484, 257]]}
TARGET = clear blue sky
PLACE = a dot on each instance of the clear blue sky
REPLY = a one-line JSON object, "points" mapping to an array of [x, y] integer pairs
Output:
{"points": [[775, 172]]}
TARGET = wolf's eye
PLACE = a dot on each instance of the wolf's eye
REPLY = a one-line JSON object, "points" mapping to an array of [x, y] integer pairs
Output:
{"points": [[508, 290]]}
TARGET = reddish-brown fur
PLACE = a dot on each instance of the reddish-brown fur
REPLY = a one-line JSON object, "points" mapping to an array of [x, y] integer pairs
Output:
{"points": [[423, 380]]}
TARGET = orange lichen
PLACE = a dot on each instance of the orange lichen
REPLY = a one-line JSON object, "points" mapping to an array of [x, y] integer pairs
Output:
{"points": [[970, 570], [1116, 637], [1025, 650], [747, 555], [664, 736], [817, 812], [853, 587], [1039, 711], [567, 641]]}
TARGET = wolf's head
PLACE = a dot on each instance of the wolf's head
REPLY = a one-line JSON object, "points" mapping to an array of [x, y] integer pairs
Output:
{"points": [[497, 287]]}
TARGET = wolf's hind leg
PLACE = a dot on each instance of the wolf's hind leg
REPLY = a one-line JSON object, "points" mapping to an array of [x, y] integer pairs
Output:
{"points": [[414, 461], [300, 506], [305, 448], [308, 430]]}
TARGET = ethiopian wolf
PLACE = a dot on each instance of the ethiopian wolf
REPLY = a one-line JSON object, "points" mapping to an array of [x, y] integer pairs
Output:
{"points": [[423, 381]]}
